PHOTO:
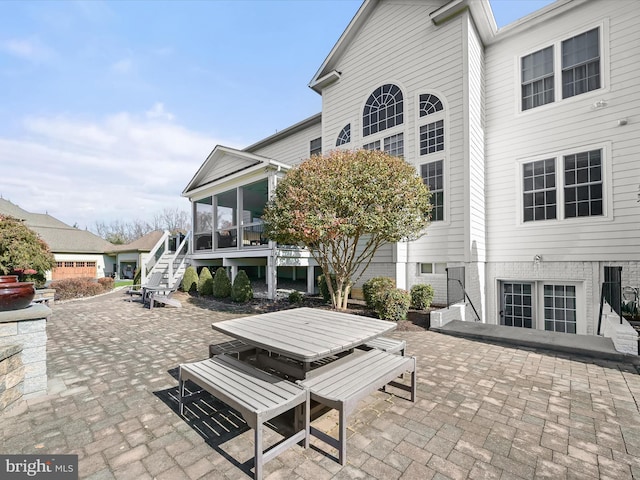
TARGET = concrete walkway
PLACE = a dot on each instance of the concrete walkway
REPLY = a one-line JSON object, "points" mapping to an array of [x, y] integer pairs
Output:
{"points": [[483, 410], [588, 345]]}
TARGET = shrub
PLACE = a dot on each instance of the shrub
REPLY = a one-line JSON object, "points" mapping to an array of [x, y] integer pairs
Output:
{"points": [[295, 297], [137, 277], [205, 282], [324, 288], [221, 283], [241, 290], [107, 283], [77, 288], [395, 305], [375, 289], [190, 280], [421, 296]]}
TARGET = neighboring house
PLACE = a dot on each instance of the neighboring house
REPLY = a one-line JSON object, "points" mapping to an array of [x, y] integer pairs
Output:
{"points": [[78, 253], [126, 258], [527, 136]]}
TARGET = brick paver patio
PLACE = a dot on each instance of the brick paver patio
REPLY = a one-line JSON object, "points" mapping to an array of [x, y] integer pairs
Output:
{"points": [[483, 410]]}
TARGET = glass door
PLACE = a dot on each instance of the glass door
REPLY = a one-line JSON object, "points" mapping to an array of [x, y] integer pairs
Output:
{"points": [[516, 309]]}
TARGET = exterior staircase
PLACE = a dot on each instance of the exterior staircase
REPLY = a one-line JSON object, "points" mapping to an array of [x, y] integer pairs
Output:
{"points": [[169, 258]]}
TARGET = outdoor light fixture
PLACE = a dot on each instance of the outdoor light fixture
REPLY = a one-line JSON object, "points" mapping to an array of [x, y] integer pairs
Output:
{"points": [[537, 259]]}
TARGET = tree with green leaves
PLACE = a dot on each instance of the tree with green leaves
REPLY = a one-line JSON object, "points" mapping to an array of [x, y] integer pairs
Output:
{"points": [[343, 206], [22, 252]]}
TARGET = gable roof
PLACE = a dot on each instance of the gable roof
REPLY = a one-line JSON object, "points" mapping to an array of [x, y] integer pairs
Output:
{"points": [[480, 11], [60, 237], [142, 244], [224, 163]]}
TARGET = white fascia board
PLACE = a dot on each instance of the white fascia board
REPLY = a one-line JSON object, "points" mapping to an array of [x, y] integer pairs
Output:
{"points": [[480, 12], [536, 18], [264, 164], [349, 33], [329, 78]]}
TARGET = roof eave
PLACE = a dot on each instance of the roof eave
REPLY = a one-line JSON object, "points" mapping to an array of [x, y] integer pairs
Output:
{"points": [[480, 12], [328, 66], [266, 163], [296, 127]]}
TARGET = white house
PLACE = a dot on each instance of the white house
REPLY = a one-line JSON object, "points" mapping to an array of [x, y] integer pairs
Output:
{"points": [[528, 137]]}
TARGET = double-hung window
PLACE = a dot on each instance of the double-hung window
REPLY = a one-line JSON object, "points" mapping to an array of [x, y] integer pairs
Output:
{"points": [[315, 147], [574, 182], [581, 64], [432, 176], [572, 66], [537, 78]]}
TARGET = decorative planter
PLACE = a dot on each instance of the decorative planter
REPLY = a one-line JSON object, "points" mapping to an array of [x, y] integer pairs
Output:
{"points": [[16, 295], [8, 278]]}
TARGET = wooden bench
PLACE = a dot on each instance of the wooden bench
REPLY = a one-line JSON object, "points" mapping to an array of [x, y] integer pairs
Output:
{"points": [[385, 344], [233, 347], [345, 385], [257, 395]]}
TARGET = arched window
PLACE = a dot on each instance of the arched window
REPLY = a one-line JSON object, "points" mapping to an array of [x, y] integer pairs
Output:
{"points": [[429, 104], [384, 109], [344, 136]]}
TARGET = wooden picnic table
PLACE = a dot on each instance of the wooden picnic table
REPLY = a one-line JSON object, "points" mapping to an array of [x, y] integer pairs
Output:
{"points": [[305, 334]]}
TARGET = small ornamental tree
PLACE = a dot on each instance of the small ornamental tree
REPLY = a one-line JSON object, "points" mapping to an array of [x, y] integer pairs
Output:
{"points": [[343, 207], [221, 283], [22, 252], [205, 282]]}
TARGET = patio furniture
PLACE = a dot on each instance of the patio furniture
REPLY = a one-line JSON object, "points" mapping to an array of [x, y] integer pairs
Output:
{"points": [[320, 348], [257, 395], [141, 290], [233, 347], [305, 335], [344, 385], [386, 344], [162, 296]]}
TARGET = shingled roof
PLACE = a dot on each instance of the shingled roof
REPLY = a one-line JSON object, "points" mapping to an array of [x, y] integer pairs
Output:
{"points": [[60, 237], [143, 244]]}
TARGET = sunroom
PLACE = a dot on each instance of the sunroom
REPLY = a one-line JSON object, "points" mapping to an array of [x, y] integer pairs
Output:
{"points": [[228, 196]]}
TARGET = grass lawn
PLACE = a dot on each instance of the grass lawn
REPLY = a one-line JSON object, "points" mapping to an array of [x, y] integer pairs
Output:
{"points": [[123, 283]]}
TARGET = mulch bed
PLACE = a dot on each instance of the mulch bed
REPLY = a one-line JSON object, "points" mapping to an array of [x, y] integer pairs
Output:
{"points": [[416, 321]]}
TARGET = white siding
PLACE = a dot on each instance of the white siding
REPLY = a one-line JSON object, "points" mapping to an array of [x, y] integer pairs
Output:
{"points": [[475, 100], [399, 44], [292, 149], [566, 124]]}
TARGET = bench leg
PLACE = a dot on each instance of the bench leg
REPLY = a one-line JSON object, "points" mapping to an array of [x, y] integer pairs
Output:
{"points": [[181, 395], [342, 442], [257, 458]]}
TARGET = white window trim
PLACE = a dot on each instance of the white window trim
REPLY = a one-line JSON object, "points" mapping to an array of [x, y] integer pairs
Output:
{"points": [[356, 127], [538, 301], [558, 156], [434, 269], [440, 155], [557, 69]]}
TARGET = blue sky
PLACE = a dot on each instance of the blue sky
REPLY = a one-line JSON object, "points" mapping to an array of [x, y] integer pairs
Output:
{"points": [[107, 109]]}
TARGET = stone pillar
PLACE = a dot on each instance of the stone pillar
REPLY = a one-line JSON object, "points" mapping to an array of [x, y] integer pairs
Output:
{"points": [[11, 375], [27, 329]]}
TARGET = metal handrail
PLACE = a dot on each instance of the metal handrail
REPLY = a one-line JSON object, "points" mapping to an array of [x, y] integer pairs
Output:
{"points": [[466, 296]]}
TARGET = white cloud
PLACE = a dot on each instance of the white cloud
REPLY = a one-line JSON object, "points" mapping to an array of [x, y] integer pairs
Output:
{"points": [[123, 166], [31, 49], [158, 111], [122, 66]]}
